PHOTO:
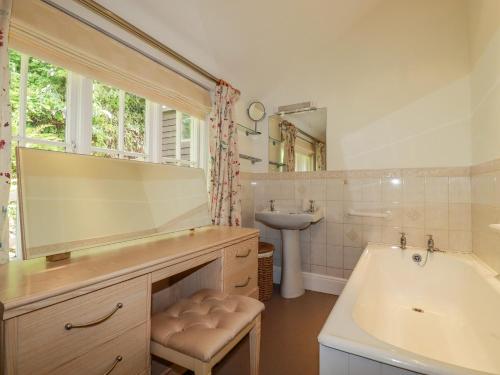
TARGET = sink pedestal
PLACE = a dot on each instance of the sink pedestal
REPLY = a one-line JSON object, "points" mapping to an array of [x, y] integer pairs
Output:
{"points": [[292, 283]]}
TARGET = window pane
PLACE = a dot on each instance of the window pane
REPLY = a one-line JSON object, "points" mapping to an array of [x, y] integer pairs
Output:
{"points": [[135, 120], [187, 124], [105, 106], [15, 79], [46, 101]]}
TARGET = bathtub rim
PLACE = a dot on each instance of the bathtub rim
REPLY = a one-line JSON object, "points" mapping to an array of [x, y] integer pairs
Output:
{"points": [[341, 332]]}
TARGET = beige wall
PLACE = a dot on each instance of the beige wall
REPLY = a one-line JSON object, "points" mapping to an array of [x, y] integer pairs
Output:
{"points": [[484, 31], [399, 88]]}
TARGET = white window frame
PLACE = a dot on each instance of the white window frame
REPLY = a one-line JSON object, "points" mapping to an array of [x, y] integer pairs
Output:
{"points": [[78, 128]]}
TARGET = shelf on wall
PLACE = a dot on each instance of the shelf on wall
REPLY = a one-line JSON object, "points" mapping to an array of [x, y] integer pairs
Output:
{"points": [[277, 164], [251, 158], [275, 141], [249, 131]]}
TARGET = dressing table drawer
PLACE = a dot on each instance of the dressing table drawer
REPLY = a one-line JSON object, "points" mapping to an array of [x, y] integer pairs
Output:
{"points": [[243, 281], [241, 255], [125, 355], [57, 334]]}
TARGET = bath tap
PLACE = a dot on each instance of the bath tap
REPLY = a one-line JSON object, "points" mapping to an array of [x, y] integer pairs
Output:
{"points": [[271, 203], [402, 241], [430, 245]]}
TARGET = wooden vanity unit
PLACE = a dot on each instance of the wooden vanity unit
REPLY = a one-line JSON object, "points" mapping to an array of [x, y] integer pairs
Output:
{"points": [[90, 314]]}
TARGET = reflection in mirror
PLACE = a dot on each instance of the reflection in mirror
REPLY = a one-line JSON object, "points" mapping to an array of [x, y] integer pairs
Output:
{"points": [[256, 111], [297, 141], [70, 202]]}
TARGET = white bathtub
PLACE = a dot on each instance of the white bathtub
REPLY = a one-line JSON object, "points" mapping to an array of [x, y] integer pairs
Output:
{"points": [[458, 331]]}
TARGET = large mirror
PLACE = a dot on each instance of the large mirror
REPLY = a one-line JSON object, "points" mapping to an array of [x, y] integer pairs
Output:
{"points": [[70, 202], [297, 141]]}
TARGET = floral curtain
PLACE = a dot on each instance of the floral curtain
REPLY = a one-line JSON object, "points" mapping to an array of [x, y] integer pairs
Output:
{"points": [[225, 204], [320, 154], [5, 132], [288, 136]]}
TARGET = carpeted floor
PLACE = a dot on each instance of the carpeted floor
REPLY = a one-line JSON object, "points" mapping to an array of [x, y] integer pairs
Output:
{"points": [[288, 343]]}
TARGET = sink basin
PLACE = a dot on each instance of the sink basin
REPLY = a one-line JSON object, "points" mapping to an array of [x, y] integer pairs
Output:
{"points": [[290, 223], [292, 220]]}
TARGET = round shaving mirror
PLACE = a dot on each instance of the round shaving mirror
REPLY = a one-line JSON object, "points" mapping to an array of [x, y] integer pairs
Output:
{"points": [[256, 111]]}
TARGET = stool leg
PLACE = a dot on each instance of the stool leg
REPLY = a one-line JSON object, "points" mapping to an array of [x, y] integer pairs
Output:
{"points": [[255, 347], [202, 368]]}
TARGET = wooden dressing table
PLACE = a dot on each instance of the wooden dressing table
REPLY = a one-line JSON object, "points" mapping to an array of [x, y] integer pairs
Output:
{"points": [[90, 314]]}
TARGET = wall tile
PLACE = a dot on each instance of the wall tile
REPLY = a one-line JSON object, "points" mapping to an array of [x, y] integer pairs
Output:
{"points": [[335, 189], [371, 190], [353, 235], [436, 189], [318, 254], [335, 272], [460, 216], [318, 232], [305, 252], [392, 189], [436, 215], [317, 189], [460, 190], [460, 241], [391, 235], [371, 233], [301, 189], [334, 211], [414, 189], [414, 215], [351, 256], [353, 190], [318, 269], [335, 256], [335, 234]]}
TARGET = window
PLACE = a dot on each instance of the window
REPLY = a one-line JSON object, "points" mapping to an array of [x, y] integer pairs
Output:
{"points": [[56, 109], [118, 123], [180, 137]]}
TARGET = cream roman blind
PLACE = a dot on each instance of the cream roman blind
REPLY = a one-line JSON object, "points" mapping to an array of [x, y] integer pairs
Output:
{"points": [[40, 30]]}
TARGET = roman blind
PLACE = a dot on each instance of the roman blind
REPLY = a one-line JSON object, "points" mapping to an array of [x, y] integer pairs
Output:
{"points": [[40, 30]]}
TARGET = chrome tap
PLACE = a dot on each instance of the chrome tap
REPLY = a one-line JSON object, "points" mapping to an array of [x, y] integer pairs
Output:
{"points": [[402, 241], [271, 202], [430, 245], [312, 206]]}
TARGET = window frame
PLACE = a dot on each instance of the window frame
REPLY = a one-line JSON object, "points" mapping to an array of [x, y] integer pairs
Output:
{"points": [[79, 125]]}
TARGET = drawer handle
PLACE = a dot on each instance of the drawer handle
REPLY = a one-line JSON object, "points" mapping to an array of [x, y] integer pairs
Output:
{"points": [[244, 256], [118, 359], [69, 326], [244, 284]]}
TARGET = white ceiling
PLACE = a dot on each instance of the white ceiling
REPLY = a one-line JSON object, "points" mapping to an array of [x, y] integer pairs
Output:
{"points": [[254, 44]]}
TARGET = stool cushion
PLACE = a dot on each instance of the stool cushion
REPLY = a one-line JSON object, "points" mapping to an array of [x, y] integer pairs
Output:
{"points": [[204, 323]]}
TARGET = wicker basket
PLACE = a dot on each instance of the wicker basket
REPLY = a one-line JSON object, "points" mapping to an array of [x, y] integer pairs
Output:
{"points": [[266, 251]]}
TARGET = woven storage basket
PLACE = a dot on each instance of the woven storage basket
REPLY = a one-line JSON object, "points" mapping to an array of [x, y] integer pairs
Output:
{"points": [[265, 270]]}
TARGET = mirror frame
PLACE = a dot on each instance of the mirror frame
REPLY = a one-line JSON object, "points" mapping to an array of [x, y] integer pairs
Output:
{"points": [[249, 108]]}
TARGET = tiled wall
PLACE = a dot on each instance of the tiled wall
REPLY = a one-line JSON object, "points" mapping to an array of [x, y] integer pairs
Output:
{"points": [[421, 201], [485, 183]]}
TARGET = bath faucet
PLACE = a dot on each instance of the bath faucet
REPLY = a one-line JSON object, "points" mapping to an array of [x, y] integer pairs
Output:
{"points": [[402, 241], [430, 245], [271, 202], [312, 206]]}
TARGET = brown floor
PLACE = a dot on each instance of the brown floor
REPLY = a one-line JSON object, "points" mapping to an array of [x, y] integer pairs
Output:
{"points": [[288, 343]]}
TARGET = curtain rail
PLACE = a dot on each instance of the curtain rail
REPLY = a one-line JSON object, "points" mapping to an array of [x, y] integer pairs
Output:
{"points": [[127, 26]]}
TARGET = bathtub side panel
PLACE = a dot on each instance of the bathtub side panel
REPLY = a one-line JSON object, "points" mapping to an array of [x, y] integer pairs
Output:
{"points": [[337, 362]]}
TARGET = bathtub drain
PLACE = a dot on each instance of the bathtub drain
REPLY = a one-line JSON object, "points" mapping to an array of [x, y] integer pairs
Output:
{"points": [[416, 309]]}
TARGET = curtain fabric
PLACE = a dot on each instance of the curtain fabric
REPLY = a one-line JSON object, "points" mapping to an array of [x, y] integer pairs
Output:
{"points": [[225, 204], [5, 131], [288, 135], [320, 153]]}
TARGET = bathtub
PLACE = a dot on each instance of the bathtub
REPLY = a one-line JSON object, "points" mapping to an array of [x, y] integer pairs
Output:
{"points": [[442, 318]]}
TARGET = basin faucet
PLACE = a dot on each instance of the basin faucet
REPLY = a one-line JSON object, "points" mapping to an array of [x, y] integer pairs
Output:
{"points": [[402, 241], [312, 206], [430, 245], [271, 202]]}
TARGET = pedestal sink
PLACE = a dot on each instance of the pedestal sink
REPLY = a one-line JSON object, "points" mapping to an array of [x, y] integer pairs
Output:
{"points": [[290, 223]]}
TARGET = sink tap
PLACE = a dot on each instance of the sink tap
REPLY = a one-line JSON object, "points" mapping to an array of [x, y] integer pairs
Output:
{"points": [[430, 245], [312, 206], [272, 208], [402, 241]]}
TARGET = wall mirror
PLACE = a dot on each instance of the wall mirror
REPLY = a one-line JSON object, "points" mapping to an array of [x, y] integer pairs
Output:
{"points": [[297, 141], [70, 202], [256, 111]]}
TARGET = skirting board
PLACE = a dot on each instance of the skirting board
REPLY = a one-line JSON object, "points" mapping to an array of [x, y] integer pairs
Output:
{"points": [[316, 282]]}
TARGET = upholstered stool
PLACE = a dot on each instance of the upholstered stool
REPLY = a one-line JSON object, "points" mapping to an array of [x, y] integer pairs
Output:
{"points": [[199, 331]]}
